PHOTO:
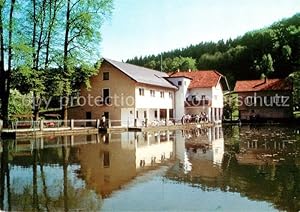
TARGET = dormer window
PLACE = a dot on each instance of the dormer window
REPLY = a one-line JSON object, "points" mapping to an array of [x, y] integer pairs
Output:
{"points": [[179, 83]]}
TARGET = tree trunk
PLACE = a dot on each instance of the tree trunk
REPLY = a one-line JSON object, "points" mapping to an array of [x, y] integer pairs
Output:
{"points": [[43, 178], [35, 196], [7, 74], [34, 60], [53, 8], [36, 106], [66, 66], [65, 155], [2, 71]]}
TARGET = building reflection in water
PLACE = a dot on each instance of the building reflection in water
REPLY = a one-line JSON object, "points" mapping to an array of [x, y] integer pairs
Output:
{"points": [[102, 163], [199, 148], [119, 158], [260, 163]]}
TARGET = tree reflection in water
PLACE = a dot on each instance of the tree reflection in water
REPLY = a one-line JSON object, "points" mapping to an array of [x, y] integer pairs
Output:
{"points": [[42, 179]]}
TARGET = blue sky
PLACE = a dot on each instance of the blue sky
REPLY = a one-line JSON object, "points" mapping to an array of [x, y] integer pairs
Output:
{"points": [[143, 27]]}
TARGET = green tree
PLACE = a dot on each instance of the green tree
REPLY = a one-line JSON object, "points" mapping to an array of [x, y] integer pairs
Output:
{"points": [[265, 66], [295, 77], [273, 50], [19, 104], [81, 34]]}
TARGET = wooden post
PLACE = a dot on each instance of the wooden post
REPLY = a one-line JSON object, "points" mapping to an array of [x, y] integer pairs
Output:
{"points": [[167, 116], [41, 124], [109, 123], [98, 123], [72, 139], [42, 143], [72, 124]]}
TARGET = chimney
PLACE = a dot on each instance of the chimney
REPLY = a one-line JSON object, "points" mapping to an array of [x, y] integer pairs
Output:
{"points": [[178, 70], [265, 80], [190, 70]]}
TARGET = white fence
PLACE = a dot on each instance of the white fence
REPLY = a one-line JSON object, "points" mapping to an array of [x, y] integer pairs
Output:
{"points": [[87, 123], [152, 123], [55, 124]]}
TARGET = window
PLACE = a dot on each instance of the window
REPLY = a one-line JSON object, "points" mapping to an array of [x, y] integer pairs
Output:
{"points": [[249, 101], [106, 160], [137, 114], [106, 114], [170, 95], [89, 138], [203, 97], [105, 96], [88, 115], [152, 93], [179, 83], [162, 94], [141, 91], [105, 76], [155, 114], [145, 114], [171, 112]]}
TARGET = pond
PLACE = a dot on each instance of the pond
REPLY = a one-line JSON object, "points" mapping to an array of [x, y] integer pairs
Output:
{"points": [[249, 168]]}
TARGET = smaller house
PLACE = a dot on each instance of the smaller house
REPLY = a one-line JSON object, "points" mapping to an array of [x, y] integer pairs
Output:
{"points": [[264, 99], [199, 92]]}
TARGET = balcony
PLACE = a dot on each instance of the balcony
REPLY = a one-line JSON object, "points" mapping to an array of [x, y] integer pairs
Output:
{"points": [[197, 103]]}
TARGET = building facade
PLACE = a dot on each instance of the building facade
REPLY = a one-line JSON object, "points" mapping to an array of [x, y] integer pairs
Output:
{"points": [[126, 94], [131, 96], [264, 99], [199, 92]]}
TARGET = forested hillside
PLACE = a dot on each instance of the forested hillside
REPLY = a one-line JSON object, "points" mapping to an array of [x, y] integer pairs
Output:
{"points": [[273, 51]]}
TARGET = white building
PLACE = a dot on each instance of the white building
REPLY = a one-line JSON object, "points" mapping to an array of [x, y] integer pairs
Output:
{"points": [[199, 91], [130, 95], [126, 94]]}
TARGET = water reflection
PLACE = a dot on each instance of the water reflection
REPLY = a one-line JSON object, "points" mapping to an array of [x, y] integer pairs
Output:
{"points": [[83, 172], [120, 157], [200, 146], [261, 163], [38, 174], [76, 172]]}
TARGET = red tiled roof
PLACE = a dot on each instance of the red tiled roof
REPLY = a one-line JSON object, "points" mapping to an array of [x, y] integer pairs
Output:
{"points": [[200, 79], [262, 85]]}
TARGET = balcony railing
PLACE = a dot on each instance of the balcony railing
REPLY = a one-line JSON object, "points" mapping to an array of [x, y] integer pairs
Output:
{"points": [[197, 103]]}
